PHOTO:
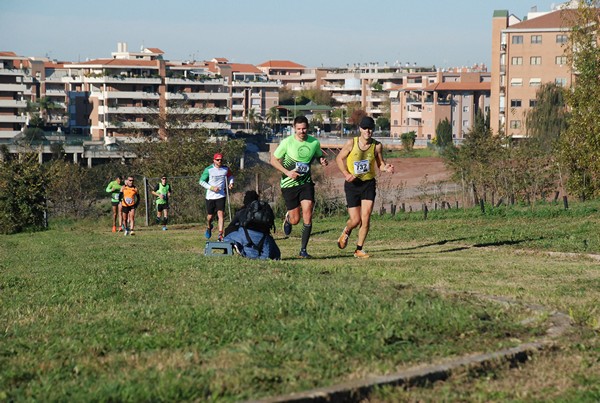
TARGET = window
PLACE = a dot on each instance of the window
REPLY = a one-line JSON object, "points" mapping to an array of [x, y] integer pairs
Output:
{"points": [[516, 82], [561, 60], [465, 109], [517, 39], [532, 103], [535, 60], [465, 123], [536, 39], [515, 124], [515, 103], [561, 38], [395, 122], [516, 60], [535, 82], [561, 81]]}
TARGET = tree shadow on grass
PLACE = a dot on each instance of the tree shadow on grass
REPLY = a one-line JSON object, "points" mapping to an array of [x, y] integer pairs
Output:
{"points": [[402, 251]]}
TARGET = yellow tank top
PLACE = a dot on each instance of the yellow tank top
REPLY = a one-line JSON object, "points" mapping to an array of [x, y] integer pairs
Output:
{"points": [[362, 163]]}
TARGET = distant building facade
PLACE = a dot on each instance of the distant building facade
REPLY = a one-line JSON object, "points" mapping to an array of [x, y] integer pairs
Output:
{"points": [[525, 54]]}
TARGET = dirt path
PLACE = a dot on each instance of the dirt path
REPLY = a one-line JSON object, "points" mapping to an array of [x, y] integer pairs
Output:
{"points": [[410, 171]]}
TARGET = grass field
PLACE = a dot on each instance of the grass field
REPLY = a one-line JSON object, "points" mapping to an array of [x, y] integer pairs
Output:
{"points": [[91, 315]]}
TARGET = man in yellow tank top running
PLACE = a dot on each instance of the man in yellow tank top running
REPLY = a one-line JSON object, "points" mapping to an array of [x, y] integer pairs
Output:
{"points": [[357, 161]]}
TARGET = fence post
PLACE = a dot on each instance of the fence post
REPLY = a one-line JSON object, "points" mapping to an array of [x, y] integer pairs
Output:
{"points": [[556, 194], [425, 211], [482, 206], [146, 201], [566, 202]]}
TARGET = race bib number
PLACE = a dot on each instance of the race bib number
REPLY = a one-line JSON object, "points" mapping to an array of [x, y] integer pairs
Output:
{"points": [[302, 167], [128, 200], [361, 167]]}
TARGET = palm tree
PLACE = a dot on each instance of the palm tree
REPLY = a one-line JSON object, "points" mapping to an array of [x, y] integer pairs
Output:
{"points": [[252, 118], [274, 117]]}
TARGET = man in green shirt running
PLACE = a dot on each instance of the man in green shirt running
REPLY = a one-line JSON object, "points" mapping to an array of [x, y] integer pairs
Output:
{"points": [[114, 188], [292, 158], [162, 191]]}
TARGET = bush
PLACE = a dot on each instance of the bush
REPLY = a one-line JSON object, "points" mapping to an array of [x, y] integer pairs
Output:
{"points": [[22, 195]]}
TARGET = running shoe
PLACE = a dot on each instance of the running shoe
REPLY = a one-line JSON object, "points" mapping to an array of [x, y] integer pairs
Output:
{"points": [[114, 229], [131, 233], [343, 239], [304, 254], [121, 228], [208, 232], [164, 227], [126, 231], [361, 254], [220, 238], [287, 227]]}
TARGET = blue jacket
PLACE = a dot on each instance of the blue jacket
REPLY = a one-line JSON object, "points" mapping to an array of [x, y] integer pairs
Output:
{"points": [[270, 250]]}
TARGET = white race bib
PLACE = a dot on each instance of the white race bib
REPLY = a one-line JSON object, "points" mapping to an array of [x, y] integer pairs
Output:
{"points": [[361, 167], [302, 167]]}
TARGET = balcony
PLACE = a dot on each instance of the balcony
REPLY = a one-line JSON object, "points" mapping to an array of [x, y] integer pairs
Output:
{"points": [[263, 84], [414, 114], [123, 80], [132, 110], [126, 94], [11, 103], [347, 98], [13, 87], [9, 134], [11, 72], [127, 125], [199, 111], [13, 119], [188, 81], [197, 95], [237, 107]]}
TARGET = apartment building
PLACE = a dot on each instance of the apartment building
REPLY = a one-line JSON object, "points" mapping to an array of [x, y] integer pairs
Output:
{"points": [[425, 99], [290, 74], [366, 85], [251, 92], [130, 94], [525, 54], [15, 91]]}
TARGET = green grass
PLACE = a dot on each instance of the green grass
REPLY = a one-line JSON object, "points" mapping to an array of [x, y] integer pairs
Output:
{"points": [[91, 315]]}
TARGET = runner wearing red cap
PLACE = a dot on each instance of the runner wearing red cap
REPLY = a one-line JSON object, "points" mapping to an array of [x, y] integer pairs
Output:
{"points": [[215, 178]]}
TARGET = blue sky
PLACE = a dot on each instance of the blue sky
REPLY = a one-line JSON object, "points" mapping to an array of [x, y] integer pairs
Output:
{"points": [[310, 32]]}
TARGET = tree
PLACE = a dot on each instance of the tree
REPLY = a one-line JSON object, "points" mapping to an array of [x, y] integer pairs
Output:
{"points": [[408, 140], [580, 152], [356, 115], [339, 115], [383, 123], [252, 118], [273, 118], [547, 120], [22, 195], [443, 134]]}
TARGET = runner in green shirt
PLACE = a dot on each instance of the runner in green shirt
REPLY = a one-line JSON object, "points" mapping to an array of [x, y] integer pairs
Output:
{"points": [[293, 158], [114, 188], [162, 191]]}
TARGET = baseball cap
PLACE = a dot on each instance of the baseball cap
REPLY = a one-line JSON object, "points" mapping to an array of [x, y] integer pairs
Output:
{"points": [[367, 122], [218, 156]]}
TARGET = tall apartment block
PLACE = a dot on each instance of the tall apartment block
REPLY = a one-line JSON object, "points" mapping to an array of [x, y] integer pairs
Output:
{"points": [[15, 91], [425, 99], [525, 54]]}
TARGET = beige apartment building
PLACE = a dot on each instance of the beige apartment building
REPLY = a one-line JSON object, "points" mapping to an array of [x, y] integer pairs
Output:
{"points": [[425, 99], [290, 74], [525, 54], [130, 93], [15, 91]]}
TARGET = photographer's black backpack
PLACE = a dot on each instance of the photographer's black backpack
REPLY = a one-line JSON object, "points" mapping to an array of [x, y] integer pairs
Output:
{"points": [[258, 216]]}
